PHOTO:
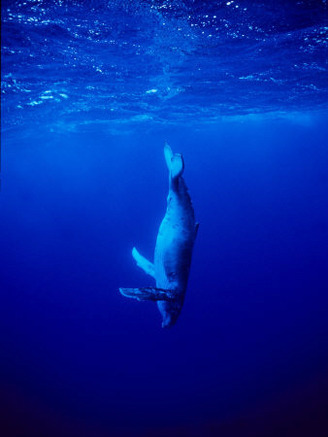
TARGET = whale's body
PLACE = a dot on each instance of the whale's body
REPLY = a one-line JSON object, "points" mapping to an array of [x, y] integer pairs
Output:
{"points": [[173, 250]]}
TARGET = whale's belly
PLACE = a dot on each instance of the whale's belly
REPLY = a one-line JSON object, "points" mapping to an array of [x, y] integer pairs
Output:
{"points": [[173, 253], [172, 262]]}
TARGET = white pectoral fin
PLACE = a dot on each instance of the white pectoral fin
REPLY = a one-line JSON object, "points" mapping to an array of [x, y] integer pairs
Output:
{"points": [[174, 162], [149, 293], [143, 263]]}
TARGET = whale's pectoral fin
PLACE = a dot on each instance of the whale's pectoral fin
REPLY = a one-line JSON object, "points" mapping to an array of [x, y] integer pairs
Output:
{"points": [[174, 162], [196, 229], [143, 263], [149, 293]]}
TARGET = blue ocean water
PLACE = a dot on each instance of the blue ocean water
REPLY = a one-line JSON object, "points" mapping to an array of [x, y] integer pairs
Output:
{"points": [[91, 90]]}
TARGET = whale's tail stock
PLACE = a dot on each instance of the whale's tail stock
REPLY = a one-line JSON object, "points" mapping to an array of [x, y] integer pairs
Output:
{"points": [[174, 162]]}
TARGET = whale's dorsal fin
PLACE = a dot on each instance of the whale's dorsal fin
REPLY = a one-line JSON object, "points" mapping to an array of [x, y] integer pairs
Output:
{"points": [[143, 263], [149, 293], [174, 162]]}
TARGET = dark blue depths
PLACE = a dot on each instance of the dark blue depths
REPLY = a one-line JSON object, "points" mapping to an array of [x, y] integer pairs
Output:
{"points": [[84, 180], [253, 331]]}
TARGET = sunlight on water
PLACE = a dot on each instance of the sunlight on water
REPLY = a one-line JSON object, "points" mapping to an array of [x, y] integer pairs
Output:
{"points": [[161, 61]]}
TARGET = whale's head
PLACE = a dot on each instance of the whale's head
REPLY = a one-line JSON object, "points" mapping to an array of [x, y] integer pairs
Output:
{"points": [[168, 321], [170, 312]]}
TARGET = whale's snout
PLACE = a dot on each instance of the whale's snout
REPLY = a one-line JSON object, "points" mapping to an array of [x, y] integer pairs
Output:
{"points": [[170, 312], [167, 324], [168, 321]]}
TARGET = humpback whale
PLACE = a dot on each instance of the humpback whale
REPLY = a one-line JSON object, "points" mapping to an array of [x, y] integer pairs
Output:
{"points": [[173, 250]]}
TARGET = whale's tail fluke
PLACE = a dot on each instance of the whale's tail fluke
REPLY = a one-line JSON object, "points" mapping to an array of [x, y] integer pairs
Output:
{"points": [[149, 293], [174, 162]]}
